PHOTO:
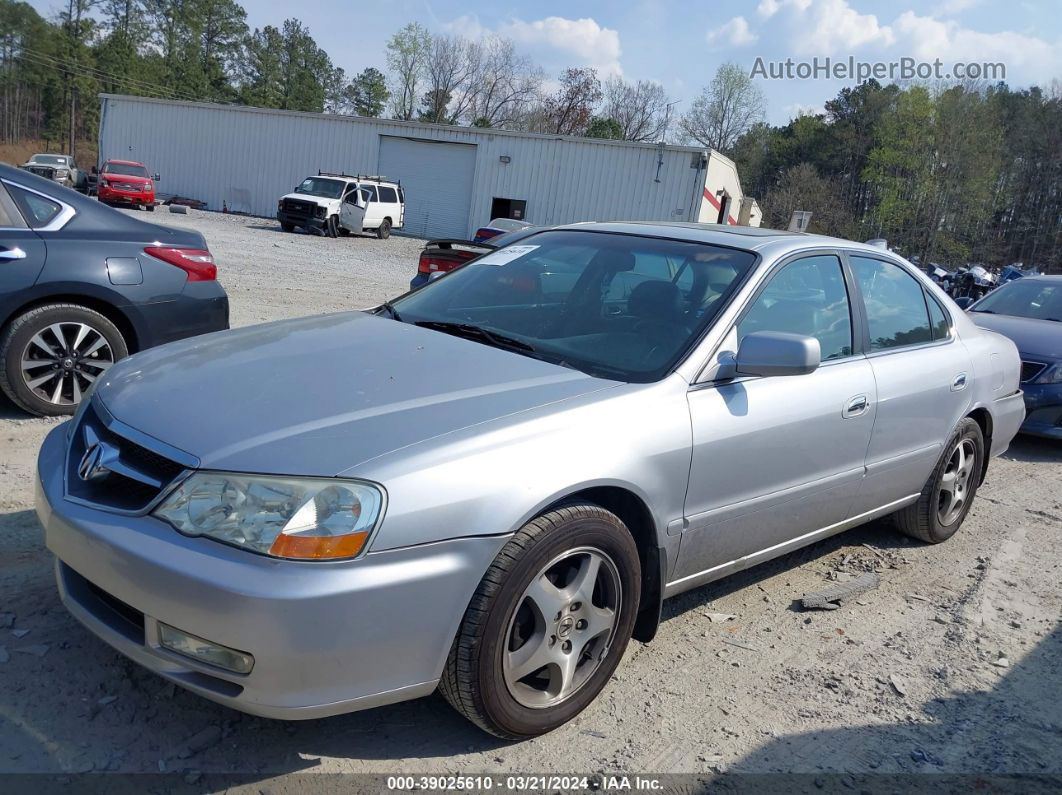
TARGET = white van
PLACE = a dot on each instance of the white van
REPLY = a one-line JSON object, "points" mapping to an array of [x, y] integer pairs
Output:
{"points": [[341, 204]]}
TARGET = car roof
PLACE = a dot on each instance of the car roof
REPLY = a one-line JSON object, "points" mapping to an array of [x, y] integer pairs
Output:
{"points": [[752, 238]]}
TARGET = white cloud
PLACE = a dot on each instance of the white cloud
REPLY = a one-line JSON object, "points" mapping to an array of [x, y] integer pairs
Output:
{"points": [[735, 32], [583, 40], [823, 27], [927, 38]]}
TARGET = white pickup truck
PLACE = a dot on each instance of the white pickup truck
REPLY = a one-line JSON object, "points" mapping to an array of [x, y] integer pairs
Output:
{"points": [[341, 204]]}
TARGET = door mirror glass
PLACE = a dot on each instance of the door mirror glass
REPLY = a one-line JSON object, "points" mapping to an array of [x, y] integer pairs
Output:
{"points": [[766, 353]]}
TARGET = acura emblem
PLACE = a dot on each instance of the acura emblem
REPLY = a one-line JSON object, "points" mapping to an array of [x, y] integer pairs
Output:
{"points": [[98, 459]]}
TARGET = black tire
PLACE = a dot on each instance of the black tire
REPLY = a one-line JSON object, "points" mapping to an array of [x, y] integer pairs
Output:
{"points": [[383, 231], [149, 207], [923, 519], [474, 682], [288, 227], [16, 338], [333, 226]]}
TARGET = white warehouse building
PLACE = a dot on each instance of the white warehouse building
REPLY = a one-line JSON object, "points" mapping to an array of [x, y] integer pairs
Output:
{"points": [[455, 178]]}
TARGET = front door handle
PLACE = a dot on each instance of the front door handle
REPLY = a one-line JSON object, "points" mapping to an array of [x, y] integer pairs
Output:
{"points": [[856, 406], [12, 253], [959, 382]]}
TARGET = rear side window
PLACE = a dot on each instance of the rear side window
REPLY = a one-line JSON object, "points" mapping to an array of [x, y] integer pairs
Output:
{"points": [[895, 303], [10, 218], [806, 297], [388, 194], [36, 209], [938, 320]]}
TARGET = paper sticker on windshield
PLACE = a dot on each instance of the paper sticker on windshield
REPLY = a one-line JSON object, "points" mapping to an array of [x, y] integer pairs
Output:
{"points": [[505, 255]]}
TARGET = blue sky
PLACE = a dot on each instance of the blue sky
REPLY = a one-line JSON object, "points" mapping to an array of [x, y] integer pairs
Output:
{"points": [[680, 43]]}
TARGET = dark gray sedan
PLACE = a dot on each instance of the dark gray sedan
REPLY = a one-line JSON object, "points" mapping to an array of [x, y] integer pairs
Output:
{"points": [[83, 285]]}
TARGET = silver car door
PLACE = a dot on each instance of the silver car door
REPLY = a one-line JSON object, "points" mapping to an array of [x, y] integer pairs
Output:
{"points": [[922, 373], [777, 458]]}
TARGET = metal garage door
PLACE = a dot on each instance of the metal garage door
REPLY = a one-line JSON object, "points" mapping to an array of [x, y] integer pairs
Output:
{"points": [[437, 180]]}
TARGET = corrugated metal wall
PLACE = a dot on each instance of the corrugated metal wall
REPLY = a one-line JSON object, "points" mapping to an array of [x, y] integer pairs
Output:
{"points": [[247, 158]]}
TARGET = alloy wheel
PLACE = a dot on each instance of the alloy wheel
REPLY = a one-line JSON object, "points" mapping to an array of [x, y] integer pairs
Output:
{"points": [[562, 627], [62, 361], [954, 489]]}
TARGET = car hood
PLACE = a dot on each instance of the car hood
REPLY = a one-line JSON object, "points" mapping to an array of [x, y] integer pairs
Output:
{"points": [[1041, 339], [319, 395]]}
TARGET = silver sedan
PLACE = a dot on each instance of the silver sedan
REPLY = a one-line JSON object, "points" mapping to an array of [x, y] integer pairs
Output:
{"points": [[489, 485]]}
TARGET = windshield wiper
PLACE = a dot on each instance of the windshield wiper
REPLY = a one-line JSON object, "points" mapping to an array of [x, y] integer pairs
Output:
{"points": [[391, 310], [478, 333]]}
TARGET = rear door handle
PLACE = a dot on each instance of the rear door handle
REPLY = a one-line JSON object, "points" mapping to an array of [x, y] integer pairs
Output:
{"points": [[12, 253], [959, 382], [856, 406]]}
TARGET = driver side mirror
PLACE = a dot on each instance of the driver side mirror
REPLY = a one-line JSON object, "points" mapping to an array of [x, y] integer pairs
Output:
{"points": [[963, 302], [157, 178], [766, 353]]}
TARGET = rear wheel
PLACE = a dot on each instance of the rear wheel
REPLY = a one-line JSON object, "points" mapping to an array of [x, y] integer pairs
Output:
{"points": [[51, 356], [548, 624], [383, 231], [950, 490], [288, 227]]}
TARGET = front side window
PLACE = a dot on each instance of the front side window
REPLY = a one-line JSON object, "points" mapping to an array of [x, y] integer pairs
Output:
{"points": [[36, 209], [370, 190], [895, 303], [551, 296], [806, 297]]}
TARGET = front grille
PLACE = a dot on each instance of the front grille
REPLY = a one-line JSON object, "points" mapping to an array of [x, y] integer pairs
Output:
{"points": [[42, 171], [129, 482], [307, 209], [1030, 370], [127, 186]]}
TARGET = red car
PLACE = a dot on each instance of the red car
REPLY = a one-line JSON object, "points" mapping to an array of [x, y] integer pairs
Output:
{"points": [[126, 182]]}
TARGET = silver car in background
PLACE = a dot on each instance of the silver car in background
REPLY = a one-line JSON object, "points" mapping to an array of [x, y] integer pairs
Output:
{"points": [[489, 485]]}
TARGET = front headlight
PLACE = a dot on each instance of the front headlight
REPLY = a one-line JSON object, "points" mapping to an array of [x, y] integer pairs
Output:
{"points": [[321, 211], [62, 172], [1052, 375], [301, 518]]}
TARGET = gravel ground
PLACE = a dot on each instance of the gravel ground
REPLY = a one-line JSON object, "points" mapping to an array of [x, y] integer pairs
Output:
{"points": [[953, 665]]}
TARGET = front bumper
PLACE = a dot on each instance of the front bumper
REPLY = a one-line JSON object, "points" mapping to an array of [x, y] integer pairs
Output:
{"points": [[297, 219], [1043, 406], [327, 638]]}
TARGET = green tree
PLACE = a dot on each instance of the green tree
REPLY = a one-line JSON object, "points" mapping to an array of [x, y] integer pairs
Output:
{"points": [[407, 51], [367, 93], [602, 127]]}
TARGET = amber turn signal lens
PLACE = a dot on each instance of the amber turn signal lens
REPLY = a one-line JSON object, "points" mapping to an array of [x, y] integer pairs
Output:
{"points": [[318, 547]]}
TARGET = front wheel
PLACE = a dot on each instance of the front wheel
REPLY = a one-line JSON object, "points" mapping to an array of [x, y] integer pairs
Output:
{"points": [[948, 494], [383, 231], [51, 356], [149, 207], [548, 624]]}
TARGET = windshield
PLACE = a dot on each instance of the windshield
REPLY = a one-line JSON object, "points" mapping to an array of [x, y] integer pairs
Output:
{"points": [[1024, 298], [613, 305], [319, 186], [49, 160], [125, 169]]}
